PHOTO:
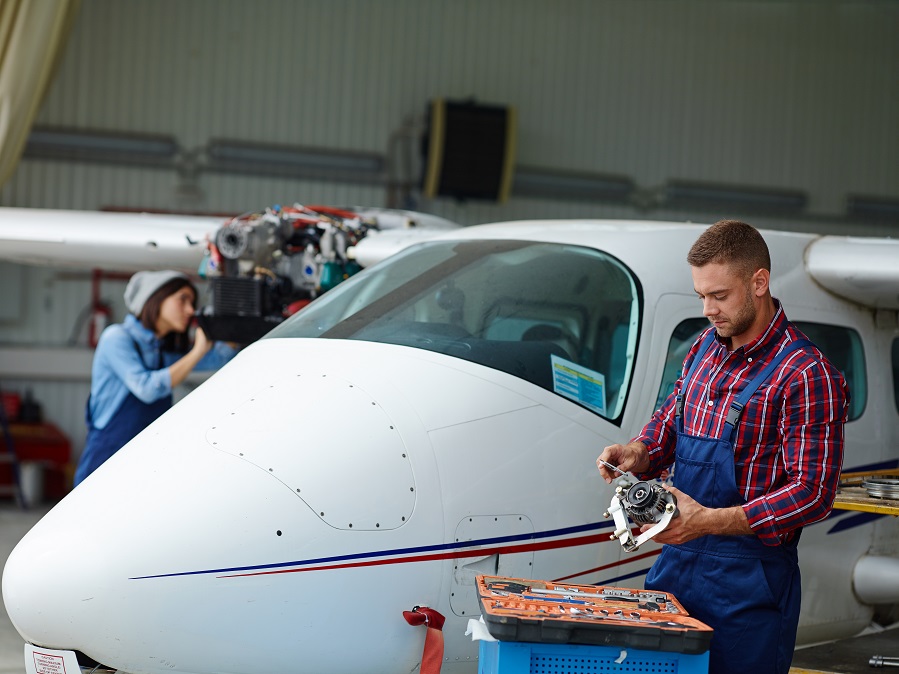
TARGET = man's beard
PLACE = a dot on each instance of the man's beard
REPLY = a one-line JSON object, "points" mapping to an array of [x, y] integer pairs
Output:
{"points": [[742, 321]]}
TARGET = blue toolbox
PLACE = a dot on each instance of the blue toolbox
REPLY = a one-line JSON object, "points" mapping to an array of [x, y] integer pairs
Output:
{"points": [[553, 628]]}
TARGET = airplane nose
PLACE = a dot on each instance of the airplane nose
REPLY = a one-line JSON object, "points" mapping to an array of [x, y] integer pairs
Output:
{"points": [[150, 547], [222, 530], [272, 469], [49, 568]]}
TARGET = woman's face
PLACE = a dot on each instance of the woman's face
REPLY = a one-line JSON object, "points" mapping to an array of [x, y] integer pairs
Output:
{"points": [[176, 312]]}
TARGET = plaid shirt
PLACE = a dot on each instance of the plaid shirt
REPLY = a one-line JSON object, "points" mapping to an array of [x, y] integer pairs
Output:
{"points": [[789, 442]]}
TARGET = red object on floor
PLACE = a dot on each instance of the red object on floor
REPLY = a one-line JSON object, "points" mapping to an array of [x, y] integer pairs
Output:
{"points": [[12, 403], [44, 443]]}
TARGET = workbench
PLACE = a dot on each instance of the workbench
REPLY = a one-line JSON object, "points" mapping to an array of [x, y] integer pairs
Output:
{"points": [[854, 496]]}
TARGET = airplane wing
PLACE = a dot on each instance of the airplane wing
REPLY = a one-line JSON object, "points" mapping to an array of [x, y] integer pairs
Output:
{"points": [[864, 271], [104, 240], [135, 241]]}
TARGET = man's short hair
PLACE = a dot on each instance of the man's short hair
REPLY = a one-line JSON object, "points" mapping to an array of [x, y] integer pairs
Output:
{"points": [[731, 242]]}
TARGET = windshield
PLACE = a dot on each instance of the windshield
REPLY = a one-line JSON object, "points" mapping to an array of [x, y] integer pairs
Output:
{"points": [[563, 317]]}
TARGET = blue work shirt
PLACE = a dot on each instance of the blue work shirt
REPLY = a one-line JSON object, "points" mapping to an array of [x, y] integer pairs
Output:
{"points": [[118, 368]]}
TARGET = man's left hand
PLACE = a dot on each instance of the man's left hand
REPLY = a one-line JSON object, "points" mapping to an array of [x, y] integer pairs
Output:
{"points": [[694, 520], [686, 525]]}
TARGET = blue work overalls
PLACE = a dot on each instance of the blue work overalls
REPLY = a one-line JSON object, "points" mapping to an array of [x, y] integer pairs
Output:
{"points": [[748, 592], [129, 420]]}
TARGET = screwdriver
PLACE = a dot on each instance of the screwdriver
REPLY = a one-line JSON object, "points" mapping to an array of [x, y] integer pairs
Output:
{"points": [[609, 465]]}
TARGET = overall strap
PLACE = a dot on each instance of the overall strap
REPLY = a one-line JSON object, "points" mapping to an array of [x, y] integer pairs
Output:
{"points": [[736, 407], [700, 354]]}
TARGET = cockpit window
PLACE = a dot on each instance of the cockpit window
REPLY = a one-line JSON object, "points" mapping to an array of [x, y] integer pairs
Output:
{"points": [[562, 317]]}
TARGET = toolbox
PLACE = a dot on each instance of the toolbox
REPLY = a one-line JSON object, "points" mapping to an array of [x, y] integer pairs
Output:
{"points": [[519, 657], [555, 628]]}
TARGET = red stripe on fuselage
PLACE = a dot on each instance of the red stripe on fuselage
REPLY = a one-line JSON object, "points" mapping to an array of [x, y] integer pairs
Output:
{"points": [[456, 554]]}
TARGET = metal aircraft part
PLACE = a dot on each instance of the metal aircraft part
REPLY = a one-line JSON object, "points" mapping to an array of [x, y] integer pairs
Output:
{"points": [[643, 503], [261, 264]]}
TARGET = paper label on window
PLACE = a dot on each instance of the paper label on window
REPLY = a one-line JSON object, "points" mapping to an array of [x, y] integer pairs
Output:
{"points": [[580, 384]]}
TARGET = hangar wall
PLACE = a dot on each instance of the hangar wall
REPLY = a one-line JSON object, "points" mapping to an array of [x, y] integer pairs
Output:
{"points": [[795, 95], [791, 94]]}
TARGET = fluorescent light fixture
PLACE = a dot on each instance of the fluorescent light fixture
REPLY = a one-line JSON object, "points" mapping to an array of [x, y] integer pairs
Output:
{"points": [[100, 146], [234, 156], [550, 184], [878, 208], [686, 193]]}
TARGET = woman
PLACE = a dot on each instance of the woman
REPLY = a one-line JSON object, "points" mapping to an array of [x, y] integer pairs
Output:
{"points": [[132, 377]]}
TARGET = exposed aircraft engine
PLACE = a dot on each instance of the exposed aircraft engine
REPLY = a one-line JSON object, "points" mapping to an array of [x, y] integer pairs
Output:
{"points": [[263, 266], [644, 503]]}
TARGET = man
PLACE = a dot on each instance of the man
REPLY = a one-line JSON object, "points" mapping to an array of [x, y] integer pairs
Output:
{"points": [[747, 480]]}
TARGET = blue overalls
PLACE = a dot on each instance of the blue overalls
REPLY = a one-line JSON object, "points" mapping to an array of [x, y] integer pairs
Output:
{"points": [[748, 592], [130, 419]]}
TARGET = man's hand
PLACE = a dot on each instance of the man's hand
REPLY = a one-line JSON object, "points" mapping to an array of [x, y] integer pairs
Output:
{"points": [[694, 520], [632, 457]]}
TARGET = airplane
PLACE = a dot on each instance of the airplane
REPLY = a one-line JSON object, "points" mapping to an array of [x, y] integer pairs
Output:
{"points": [[436, 417]]}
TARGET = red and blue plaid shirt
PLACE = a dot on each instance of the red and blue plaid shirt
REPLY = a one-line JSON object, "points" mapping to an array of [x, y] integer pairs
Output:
{"points": [[789, 441]]}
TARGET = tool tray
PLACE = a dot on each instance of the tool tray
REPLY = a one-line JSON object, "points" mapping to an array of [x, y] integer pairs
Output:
{"points": [[872, 491], [516, 609]]}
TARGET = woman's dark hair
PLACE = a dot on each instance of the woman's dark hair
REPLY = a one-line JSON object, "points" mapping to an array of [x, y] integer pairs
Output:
{"points": [[150, 313]]}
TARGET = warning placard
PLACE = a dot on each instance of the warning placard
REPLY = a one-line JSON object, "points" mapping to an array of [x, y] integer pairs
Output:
{"points": [[47, 661]]}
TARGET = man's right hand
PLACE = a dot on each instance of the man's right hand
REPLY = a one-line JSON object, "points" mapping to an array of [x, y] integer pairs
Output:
{"points": [[632, 457]]}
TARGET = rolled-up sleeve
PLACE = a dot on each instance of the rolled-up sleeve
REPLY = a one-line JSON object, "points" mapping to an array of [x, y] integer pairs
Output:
{"points": [[124, 361], [660, 438], [811, 424]]}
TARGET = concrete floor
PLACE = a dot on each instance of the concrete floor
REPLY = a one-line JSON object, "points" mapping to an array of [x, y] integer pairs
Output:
{"points": [[14, 523]]}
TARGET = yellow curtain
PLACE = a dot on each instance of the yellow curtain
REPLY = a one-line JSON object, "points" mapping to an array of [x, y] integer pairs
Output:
{"points": [[32, 36]]}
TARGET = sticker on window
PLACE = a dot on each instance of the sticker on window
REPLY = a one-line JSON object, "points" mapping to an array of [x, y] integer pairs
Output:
{"points": [[579, 384]]}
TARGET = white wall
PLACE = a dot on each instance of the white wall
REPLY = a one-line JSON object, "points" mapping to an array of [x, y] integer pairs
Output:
{"points": [[800, 95]]}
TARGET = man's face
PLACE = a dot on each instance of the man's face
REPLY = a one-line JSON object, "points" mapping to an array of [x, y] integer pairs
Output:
{"points": [[728, 301]]}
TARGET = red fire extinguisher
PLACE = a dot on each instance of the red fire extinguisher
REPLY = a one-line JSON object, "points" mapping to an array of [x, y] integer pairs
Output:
{"points": [[101, 314]]}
